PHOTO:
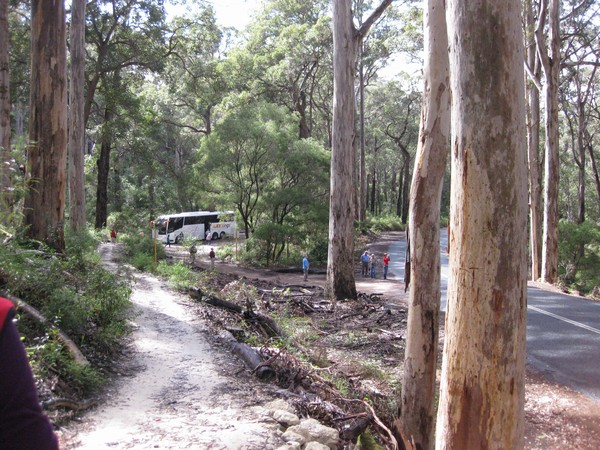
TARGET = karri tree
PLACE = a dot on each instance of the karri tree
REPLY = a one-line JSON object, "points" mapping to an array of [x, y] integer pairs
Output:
{"points": [[418, 386], [47, 153], [346, 41], [76, 116], [483, 369], [6, 198]]}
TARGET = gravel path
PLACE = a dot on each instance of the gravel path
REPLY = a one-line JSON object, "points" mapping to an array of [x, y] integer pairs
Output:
{"points": [[185, 392]]}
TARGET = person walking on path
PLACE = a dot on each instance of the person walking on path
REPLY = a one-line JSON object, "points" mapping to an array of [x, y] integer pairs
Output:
{"points": [[168, 240], [364, 260], [386, 263], [113, 235], [373, 266], [305, 267], [208, 237], [212, 255]]}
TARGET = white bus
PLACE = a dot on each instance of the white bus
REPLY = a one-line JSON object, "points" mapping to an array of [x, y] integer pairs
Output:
{"points": [[194, 225]]}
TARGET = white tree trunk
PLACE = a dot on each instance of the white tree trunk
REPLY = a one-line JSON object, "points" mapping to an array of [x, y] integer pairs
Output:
{"points": [[76, 117], [551, 66], [533, 144], [418, 386], [6, 197], [340, 254], [340, 265], [483, 370]]}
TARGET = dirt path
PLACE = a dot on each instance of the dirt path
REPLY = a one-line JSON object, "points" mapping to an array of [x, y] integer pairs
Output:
{"points": [[184, 392]]}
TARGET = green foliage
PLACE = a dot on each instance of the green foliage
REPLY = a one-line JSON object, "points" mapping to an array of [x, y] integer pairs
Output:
{"points": [[140, 250], [388, 222], [75, 293], [48, 358], [366, 441], [179, 275], [579, 255]]}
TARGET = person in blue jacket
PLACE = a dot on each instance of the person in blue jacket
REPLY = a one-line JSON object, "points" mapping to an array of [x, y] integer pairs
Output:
{"points": [[305, 267], [23, 424]]}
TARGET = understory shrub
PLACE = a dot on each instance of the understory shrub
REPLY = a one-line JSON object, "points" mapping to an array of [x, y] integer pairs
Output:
{"points": [[140, 251], [389, 222], [75, 293], [579, 255], [179, 275]]}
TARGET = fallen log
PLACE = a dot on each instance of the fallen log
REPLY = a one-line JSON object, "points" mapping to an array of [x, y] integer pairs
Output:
{"points": [[358, 426], [198, 294], [250, 357], [62, 337]]}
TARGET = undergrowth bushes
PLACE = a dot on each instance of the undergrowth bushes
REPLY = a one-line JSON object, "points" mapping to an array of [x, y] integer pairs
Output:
{"points": [[579, 255], [75, 293]]}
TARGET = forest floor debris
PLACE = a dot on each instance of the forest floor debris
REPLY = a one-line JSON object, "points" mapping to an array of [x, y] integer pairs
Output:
{"points": [[344, 353]]}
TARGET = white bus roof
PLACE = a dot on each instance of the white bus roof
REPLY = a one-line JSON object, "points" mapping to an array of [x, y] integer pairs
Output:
{"points": [[196, 213]]}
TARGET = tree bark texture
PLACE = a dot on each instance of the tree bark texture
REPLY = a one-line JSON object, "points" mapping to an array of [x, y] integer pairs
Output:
{"points": [[340, 265], [76, 117], [533, 147], [103, 172], [483, 370], [340, 282], [418, 385], [551, 68], [45, 201], [6, 197]]}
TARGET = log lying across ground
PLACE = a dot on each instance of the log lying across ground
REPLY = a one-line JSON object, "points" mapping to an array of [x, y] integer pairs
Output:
{"points": [[248, 355], [62, 337]]}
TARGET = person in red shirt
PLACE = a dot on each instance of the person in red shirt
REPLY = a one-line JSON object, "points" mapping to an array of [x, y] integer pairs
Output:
{"points": [[23, 424], [386, 263]]}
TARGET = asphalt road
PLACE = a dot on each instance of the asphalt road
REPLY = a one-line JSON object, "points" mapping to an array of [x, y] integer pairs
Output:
{"points": [[563, 331]]}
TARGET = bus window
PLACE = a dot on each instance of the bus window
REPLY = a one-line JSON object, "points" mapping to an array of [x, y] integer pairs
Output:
{"points": [[161, 226], [175, 224], [193, 220]]}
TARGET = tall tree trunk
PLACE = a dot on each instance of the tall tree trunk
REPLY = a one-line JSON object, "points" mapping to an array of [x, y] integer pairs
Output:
{"points": [[76, 119], [399, 202], [594, 171], [581, 163], [405, 185], [340, 263], [533, 146], [483, 369], [418, 385], [340, 254], [373, 190], [551, 67], [45, 200], [6, 197], [362, 212], [103, 172]]}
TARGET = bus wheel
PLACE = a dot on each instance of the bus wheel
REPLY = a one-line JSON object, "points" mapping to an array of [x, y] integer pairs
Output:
{"points": [[215, 236], [222, 235]]}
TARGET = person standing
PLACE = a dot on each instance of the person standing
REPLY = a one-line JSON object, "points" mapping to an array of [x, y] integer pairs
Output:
{"points": [[212, 256], [386, 263], [364, 260], [305, 267], [193, 251], [208, 237], [373, 266], [23, 424], [113, 235]]}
